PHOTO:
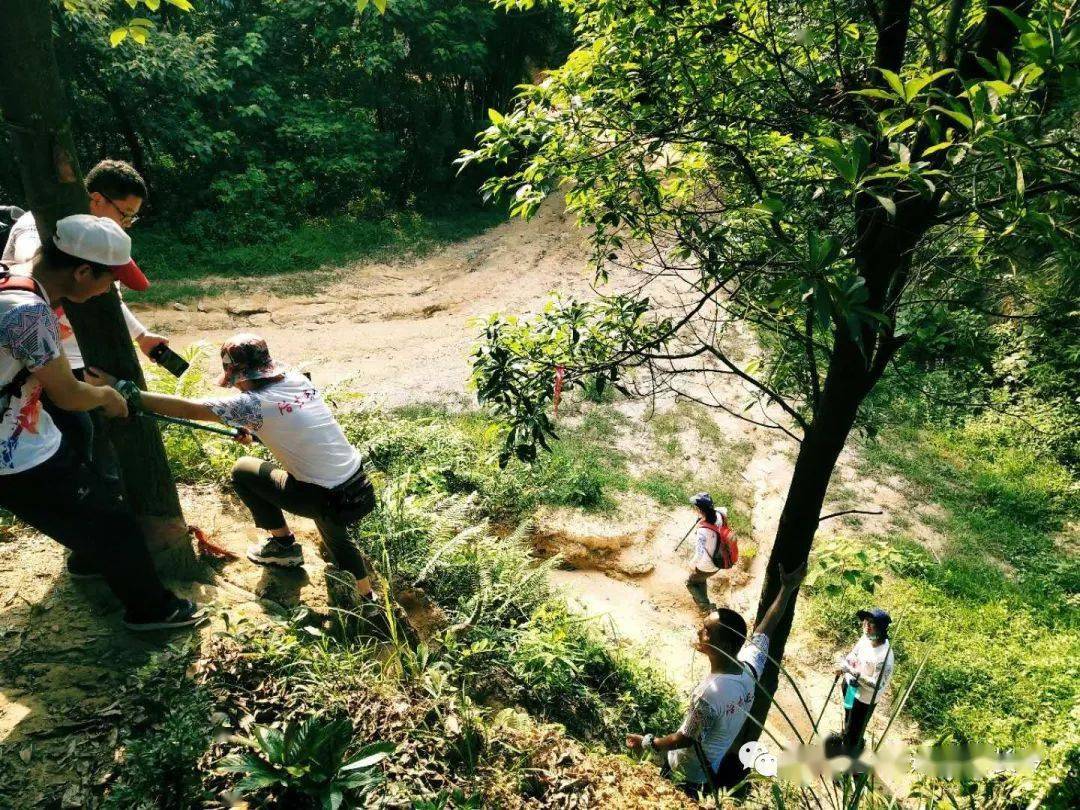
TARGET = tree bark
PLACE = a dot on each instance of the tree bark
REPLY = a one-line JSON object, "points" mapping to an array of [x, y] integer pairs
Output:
{"points": [[35, 110], [846, 385]]}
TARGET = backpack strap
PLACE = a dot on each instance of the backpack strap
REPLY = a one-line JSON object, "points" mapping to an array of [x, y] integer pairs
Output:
{"points": [[11, 389]]}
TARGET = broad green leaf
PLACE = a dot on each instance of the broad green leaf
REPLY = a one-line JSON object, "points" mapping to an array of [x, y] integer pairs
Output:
{"points": [[183, 5], [962, 119], [132, 3], [1022, 24], [380, 5], [140, 22], [361, 5], [370, 755], [117, 36], [496, 117], [153, 5], [1004, 66], [1020, 185], [887, 204], [915, 86], [894, 82], [1037, 44], [138, 34], [896, 129], [1000, 87]]}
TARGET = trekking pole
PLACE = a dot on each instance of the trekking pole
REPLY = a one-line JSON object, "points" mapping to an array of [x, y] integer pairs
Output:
{"points": [[172, 420], [686, 535], [824, 706]]}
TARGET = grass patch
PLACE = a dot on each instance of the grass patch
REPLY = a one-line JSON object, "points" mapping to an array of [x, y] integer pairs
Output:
{"points": [[998, 611], [181, 265]]}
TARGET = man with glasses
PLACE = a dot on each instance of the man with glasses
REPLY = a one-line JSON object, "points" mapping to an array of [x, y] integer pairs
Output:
{"points": [[117, 192]]}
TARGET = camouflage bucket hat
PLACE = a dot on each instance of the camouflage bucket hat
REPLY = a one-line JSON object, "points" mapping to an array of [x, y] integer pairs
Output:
{"points": [[246, 357]]}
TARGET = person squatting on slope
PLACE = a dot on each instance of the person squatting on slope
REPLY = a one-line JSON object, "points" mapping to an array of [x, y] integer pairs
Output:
{"points": [[43, 481], [720, 704], [866, 670], [710, 548], [320, 475]]}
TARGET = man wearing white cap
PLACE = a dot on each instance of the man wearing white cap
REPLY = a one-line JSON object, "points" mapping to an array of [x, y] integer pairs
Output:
{"points": [[43, 481]]}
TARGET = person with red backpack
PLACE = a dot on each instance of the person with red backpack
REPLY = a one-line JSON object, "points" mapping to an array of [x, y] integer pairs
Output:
{"points": [[715, 550]]}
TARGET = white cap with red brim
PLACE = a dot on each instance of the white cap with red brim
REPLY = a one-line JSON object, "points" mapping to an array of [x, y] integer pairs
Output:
{"points": [[101, 241]]}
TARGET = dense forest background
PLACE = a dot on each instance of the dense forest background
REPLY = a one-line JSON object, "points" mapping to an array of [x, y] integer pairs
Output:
{"points": [[248, 118]]}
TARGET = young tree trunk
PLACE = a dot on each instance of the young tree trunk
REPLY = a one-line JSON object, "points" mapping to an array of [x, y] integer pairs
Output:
{"points": [[33, 104]]}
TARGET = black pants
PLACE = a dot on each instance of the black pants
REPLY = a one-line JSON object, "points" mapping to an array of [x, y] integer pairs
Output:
{"points": [[70, 501], [266, 489], [855, 720]]}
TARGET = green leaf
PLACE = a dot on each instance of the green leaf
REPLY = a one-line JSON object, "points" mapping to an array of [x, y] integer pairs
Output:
{"points": [[962, 119], [896, 129], [370, 755], [894, 82], [183, 5], [1014, 18], [361, 5], [876, 93], [1037, 44], [915, 86], [1004, 66], [138, 34], [1000, 87], [380, 5], [887, 204], [117, 36], [140, 22], [937, 147], [496, 117], [1020, 185], [153, 5]]}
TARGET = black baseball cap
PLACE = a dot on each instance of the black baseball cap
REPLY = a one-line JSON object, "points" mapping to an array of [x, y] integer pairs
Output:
{"points": [[703, 500], [879, 617]]}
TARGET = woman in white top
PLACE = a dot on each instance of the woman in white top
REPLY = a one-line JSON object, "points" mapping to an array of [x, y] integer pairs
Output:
{"points": [[702, 566], [320, 474], [866, 670]]}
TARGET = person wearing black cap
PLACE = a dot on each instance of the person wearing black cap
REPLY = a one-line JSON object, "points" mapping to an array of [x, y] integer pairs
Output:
{"points": [[712, 521], [866, 670]]}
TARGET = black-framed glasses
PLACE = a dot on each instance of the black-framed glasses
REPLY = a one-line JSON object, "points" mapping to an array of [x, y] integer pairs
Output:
{"points": [[126, 219]]}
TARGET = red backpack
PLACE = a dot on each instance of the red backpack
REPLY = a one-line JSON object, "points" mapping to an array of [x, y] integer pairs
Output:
{"points": [[726, 553]]}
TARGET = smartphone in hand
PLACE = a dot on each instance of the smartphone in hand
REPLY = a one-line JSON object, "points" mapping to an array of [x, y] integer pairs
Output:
{"points": [[168, 360]]}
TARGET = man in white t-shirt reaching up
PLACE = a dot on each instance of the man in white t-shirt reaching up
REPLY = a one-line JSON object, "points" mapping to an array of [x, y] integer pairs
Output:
{"points": [[719, 705], [320, 475]]}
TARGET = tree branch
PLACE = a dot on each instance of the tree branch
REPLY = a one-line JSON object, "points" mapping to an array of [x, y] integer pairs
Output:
{"points": [[850, 512]]}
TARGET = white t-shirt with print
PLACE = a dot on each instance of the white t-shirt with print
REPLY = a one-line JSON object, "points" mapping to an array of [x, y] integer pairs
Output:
{"points": [[29, 338], [22, 244], [871, 662], [292, 420], [706, 547], [719, 706]]}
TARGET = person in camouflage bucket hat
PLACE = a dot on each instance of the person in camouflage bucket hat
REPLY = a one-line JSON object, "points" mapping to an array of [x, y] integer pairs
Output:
{"points": [[246, 357]]}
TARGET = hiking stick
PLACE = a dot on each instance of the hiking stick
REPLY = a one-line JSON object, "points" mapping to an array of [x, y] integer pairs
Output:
{"points": [[686, 535], [172, 420], [824, 706]]}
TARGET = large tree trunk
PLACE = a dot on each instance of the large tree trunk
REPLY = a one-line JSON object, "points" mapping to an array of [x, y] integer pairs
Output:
{"points": [[34, 108]]}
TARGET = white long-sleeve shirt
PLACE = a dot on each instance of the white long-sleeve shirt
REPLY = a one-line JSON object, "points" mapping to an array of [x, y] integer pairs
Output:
{"points": [[871, 663]]}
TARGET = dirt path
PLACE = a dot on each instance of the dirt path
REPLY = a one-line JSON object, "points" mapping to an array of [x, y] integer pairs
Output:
{"points": [[401, 331], [402, 334]]}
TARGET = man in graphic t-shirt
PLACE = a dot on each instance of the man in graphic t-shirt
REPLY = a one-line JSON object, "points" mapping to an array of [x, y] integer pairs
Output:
{"points": [[319, 470], [43, 482], [116, 192], [720, 704]]}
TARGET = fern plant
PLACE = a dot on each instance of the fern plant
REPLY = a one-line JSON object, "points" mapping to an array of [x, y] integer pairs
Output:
{"points": [[307, 760]]}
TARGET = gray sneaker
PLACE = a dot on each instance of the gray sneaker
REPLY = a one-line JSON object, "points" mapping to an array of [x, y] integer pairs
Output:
{"points": [[273, 551]]}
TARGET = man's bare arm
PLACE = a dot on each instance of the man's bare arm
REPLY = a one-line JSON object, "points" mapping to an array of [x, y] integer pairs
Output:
{"points": [[70, 394]]}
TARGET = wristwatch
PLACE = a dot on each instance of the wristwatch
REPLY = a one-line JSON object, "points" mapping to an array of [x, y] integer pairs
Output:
{"points": [[648, 742], [130, 392]]}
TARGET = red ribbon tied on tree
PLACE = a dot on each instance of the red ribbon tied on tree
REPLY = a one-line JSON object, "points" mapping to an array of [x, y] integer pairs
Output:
{"points": [[560, 375]]}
